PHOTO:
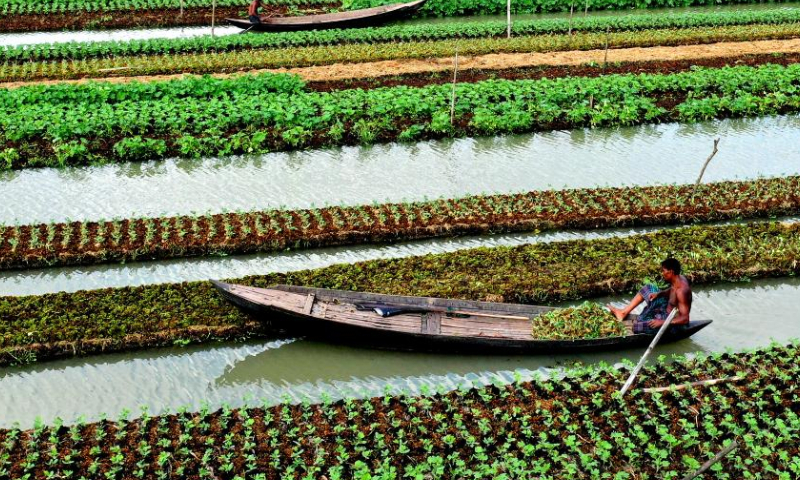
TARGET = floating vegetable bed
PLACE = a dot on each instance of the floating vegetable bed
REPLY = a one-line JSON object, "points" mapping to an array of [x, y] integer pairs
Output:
{"points": [[394, 33], [84, 243], [194, 119], [116, 319], [240, 60], [588, 320], [560, 429]]}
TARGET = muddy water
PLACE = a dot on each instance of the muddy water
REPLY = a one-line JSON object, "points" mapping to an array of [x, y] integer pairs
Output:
{"points": [[643, 155], [32, 38], [36, 282], [273, 370]]}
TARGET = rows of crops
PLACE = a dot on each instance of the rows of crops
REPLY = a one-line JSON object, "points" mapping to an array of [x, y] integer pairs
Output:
{"points": [[123, 318], [57, 127], [83, 243], [560, 428], [395, 33], [242, 60], [432, 7], [28, 7]]}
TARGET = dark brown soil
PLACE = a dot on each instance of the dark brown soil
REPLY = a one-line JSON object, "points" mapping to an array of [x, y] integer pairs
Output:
{"points": [[553, 71], [138, 18]]}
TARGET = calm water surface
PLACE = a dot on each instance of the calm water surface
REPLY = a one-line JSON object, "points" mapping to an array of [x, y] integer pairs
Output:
{"points": [[644, 155], [746, 315]]}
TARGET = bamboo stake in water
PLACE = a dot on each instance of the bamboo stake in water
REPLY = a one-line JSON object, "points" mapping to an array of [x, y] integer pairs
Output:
{"points": [[571, 11], [713, 152], [213, 15], [649, 351], [734, 444], [453, 97], [508, 18]]}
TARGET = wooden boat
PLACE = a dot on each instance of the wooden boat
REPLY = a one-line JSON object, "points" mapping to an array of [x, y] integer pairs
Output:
{"points": [[366, 17], [418, 323]]}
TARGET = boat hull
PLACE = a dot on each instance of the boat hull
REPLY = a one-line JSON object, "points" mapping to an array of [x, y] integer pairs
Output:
{"points": [[295, 323], [369, 17]]}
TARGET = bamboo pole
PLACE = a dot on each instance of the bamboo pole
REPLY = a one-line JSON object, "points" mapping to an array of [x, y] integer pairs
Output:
{"points": [[649, 350], [453, 96], [508, 18], [733, 445], [571, 11], [213, 15], [586, 10], [605, 54], [713, 152], [181, 8], [702, 383]]}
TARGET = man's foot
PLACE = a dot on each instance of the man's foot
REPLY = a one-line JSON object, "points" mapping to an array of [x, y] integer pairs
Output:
{"points": [[617, 312]]}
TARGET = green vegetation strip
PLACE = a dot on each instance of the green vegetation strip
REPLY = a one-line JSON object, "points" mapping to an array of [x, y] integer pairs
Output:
{"points": [[451, 8], [115, 319], [33, 7], [290, 57], [84, 243], [587, 320], [565, 428], [57, 126], [397, 33]]}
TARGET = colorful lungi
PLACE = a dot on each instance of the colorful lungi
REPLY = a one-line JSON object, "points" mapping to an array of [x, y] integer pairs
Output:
{"points": [[653, 310]]}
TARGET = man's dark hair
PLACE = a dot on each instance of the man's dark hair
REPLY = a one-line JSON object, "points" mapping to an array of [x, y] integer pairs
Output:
{"points": [[672, 265]]}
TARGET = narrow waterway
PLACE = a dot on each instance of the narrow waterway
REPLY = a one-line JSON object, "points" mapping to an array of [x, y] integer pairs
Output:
{"points": [[746, 315], [34, 38], [70, 279], [642, 155]]}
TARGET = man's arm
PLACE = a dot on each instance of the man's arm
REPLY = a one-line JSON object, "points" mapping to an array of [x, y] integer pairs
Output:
{"points": [[661, 293], [682, 317]]}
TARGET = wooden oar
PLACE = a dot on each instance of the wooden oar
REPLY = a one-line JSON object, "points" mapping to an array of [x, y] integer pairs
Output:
{"points": [[649, 350]]}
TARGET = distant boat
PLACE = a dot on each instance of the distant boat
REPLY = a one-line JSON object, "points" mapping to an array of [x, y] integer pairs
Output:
{"points": [[419, 323], [366, 17]]}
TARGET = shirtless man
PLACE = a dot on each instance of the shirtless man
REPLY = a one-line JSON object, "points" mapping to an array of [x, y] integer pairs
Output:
{"points": [[657, 307], [253, 11]]}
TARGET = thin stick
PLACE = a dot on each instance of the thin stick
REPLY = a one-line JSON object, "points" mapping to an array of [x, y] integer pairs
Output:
{"points": [[453, 97], [605, 55], [586, 10], [649, 350], [181, 8], [571, 10], [508, 18], [213, 15], [702, 383], [734, 444], [713, 152]]}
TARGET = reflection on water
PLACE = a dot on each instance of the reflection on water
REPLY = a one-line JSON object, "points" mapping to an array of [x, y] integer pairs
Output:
{"points": [[644, 155], [273, 370]]}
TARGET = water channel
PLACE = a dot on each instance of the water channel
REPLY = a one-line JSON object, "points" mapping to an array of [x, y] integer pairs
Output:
{"points": [[746, 315], [33, 38], [642, 155], [70, 279]]}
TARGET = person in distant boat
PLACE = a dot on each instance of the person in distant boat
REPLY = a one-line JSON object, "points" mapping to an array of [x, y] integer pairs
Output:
{"points": [[253, 11], [660, 303]]}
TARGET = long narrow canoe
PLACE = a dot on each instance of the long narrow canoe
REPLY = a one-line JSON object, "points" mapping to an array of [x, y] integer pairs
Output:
{"points": [[366, 17], [418, 323]]}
